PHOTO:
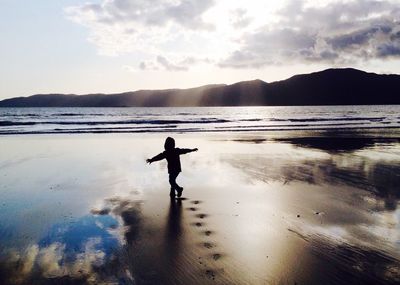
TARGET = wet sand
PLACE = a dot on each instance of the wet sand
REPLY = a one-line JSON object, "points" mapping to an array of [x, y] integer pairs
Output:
{"points": [[268, 209]]}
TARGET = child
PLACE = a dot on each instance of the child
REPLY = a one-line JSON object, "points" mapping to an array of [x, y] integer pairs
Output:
{"points": [[171, 154]]}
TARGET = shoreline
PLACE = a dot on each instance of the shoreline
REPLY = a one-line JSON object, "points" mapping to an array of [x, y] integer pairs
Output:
{"points": [[393, 133]]}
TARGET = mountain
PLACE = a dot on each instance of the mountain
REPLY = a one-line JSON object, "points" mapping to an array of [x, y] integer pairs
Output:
{"points": [[329, 87]]}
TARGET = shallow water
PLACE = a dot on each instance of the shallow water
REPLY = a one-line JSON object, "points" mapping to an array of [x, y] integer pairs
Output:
{"points": [[256, 210], [196, 119]]}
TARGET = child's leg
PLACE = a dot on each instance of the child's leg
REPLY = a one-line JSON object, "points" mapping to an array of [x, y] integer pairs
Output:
{"points": [[172, 180]]}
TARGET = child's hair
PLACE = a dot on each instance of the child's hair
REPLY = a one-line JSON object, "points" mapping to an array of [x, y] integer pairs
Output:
{"points": [[169, 143]]}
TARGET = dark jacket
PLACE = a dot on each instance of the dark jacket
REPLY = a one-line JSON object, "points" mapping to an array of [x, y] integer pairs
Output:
{"points": [[172, 157]]}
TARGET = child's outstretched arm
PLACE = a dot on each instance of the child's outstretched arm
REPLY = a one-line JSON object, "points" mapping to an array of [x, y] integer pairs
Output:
{"points": [[158, 157], [187, 150]]}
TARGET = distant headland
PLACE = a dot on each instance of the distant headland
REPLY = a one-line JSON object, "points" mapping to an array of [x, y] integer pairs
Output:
{"points": [[344, 86]]}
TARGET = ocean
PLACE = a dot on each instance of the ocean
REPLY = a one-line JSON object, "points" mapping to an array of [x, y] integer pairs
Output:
{"points": [[15, 121]]}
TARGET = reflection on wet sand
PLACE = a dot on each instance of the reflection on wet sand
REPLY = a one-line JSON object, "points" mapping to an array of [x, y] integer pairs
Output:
{"points": [[345, 166], [173, 235], [288, 211], [336, 144]]}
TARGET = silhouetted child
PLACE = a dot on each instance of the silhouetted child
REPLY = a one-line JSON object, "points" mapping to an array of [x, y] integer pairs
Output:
{"points": [[171, 154]]}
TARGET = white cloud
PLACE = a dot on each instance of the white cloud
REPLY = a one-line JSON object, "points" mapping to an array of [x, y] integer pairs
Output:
{"points": [[121, 26], [337, 32], [169, 65], [242, 34], [129, 68], [155, 13], [239, 18], [164, 63]]}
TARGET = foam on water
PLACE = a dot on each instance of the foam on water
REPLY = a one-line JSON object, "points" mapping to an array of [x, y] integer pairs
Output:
{"points": [[195, 119]]}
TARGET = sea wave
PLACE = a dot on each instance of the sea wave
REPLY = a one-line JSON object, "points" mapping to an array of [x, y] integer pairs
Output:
{"points": [[16, 123], [227, 119], [71, 114], [126, 122], [191, 130], [373, 119]]}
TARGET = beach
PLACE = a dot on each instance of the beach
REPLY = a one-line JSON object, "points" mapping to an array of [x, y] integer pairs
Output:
{"points": [[213, 142], [286, 208]]}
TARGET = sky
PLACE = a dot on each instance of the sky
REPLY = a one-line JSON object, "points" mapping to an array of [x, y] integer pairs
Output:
{"points": [[111, 46]]}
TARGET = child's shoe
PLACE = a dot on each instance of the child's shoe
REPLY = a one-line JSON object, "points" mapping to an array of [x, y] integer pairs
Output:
{"points": [[179, 190], [172, 193]]}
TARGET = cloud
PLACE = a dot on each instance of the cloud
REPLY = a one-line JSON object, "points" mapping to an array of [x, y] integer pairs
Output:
{"points": [[187, 13], [129, 68], [239, 18], [338, 32], [120, 26], [164, 63], [170, 66], [388, 50], [241, 34]]}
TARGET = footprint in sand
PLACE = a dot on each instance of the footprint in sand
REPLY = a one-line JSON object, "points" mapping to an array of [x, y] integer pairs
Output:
{"points": [[216, 256], [197, 224], [201, 216], [210, 274], [208, 245]]}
